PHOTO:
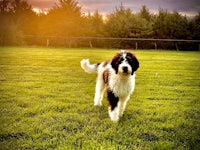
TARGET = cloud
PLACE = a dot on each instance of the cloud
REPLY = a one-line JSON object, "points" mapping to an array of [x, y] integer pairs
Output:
{"points": [[42, 3], [108, 6]]}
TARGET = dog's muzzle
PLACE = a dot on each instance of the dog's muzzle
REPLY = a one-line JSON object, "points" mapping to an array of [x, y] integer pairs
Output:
{"points": [[125, 69]]}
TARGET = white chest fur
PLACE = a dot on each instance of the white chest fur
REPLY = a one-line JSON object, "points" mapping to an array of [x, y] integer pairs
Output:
{"points": [[121, 85]]}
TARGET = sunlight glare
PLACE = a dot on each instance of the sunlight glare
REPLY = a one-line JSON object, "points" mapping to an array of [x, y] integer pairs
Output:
{"points": [[40, 11]]}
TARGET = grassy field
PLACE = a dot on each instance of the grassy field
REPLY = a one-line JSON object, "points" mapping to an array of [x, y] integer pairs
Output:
{"points": [[46, 101]]}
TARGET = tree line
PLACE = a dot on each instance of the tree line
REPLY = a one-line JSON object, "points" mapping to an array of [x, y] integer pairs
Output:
{"points": [[66, 19]]}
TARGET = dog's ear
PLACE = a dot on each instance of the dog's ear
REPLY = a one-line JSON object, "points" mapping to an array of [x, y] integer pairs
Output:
{"points": [[133, 61], [115, 62]]}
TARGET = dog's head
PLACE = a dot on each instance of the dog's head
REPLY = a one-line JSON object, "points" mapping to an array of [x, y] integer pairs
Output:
{"points": [[125, 63]]}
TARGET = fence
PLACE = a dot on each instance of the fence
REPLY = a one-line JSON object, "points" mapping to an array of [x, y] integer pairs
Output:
{"points": [[109, 42]]}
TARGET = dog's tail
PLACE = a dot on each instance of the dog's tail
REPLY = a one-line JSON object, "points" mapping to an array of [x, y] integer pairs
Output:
{"points": [[87, 67]]}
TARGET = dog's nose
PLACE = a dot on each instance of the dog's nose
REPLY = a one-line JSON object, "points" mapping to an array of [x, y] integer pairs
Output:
{"points": [[125, 69]]}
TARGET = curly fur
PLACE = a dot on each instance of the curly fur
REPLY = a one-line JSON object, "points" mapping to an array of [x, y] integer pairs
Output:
{"points": [[117, 77]]}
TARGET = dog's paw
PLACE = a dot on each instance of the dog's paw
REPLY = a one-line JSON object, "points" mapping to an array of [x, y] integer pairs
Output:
{"points": [[97, 104]]}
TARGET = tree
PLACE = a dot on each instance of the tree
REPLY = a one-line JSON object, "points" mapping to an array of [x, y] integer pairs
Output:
{"points": [[95, 25], [23, 16], [194, 26], [63, 19], [4, 6], [119, 22], [15, 20], [122, 23], [68, 7], [170, 25], [159, 24], [177, 26], [144, 13]]}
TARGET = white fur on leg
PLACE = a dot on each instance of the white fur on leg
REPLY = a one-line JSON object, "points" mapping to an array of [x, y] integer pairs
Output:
{"points": [[122, 106], [97, 97], [114, 114], [99, 91]]}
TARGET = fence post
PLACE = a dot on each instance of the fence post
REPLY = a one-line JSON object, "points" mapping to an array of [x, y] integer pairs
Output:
{"points": [[47, 43], [65, 41], [199, 47], [1, 40], [136, 45], [69, 43], [176, 44], [155, 44], [90, 42]]}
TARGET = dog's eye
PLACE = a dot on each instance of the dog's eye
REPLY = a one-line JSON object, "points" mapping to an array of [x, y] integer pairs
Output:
{"points": [[121, 59], [129, 59]]}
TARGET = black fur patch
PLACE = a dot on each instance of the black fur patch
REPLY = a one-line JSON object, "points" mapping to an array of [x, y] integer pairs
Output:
{"points": [[113, 100], [132, 60], [98, 64], [116, 61]]}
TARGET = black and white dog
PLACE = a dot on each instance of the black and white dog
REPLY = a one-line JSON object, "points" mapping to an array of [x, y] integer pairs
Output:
{"points": [[117, 76]]}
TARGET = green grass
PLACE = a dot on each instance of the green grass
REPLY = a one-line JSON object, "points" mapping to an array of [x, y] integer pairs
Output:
{"points": [[46, 101]]}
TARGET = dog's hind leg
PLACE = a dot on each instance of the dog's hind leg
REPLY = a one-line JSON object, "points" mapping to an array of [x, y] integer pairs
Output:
{"points": [[99, 91]]}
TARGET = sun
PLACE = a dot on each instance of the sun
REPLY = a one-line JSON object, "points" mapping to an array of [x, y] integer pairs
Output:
{"points": [[36, 10], [40, 11]]}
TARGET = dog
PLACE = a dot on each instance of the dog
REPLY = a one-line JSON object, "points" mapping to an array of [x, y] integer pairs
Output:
{"points": [[117, 76]]}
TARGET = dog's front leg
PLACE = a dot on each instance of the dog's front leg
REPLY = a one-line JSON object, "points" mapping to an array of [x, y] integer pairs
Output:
{"points": [[122, 105], [114, 114]]}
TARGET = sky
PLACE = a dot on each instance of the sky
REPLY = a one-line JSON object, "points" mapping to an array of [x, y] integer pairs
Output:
{"points": [[185, 7]]}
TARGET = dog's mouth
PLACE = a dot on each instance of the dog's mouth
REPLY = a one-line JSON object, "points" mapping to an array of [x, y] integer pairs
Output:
{"points": [[125, 74]]}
